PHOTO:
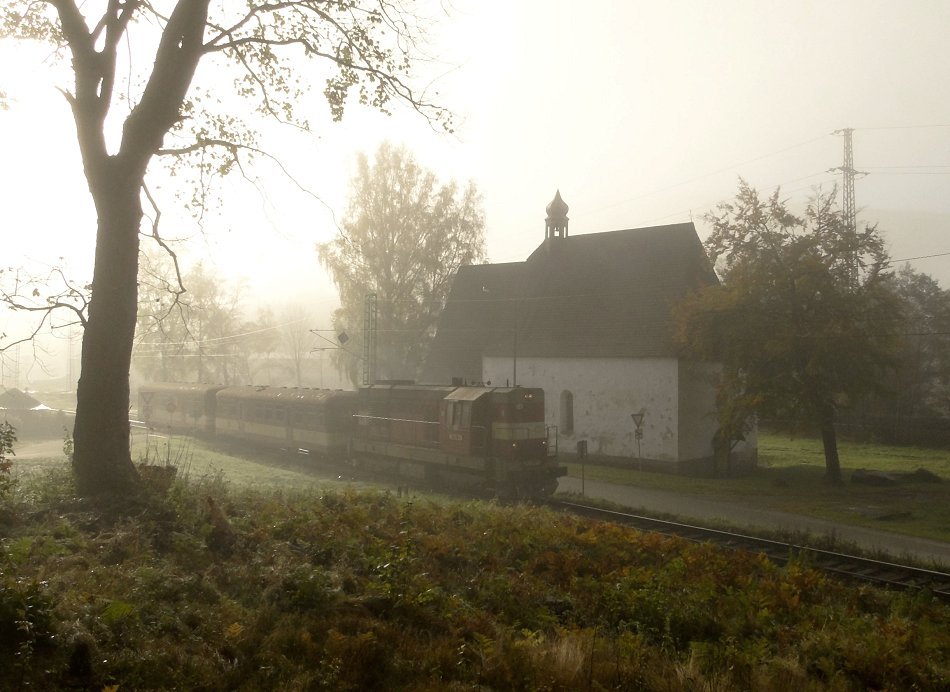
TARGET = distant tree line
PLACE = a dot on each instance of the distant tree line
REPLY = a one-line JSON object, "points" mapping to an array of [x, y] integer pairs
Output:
{"points": [[200, 330], [914, 404]]}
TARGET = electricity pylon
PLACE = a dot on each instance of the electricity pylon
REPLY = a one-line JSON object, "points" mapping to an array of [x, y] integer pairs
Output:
{"points": [[848, 209]]}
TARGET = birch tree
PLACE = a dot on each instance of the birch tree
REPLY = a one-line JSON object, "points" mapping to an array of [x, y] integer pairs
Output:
{"points": [[404, 237]]}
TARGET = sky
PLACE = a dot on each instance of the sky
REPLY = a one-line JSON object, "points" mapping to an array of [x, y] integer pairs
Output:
{"points": [[640, 113]]}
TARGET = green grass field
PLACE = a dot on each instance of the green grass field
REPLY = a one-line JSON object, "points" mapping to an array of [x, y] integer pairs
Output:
{"points": [[790, 478], [199, 462]]}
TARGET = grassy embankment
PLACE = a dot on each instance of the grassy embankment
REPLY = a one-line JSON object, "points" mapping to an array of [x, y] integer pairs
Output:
{"points": [[789, 478], [226, 584]]}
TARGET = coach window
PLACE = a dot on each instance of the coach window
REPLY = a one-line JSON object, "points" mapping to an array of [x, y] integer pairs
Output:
{"points": [[566, 423]]}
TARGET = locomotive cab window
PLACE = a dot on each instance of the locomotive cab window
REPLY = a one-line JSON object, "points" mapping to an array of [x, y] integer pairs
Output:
{"points": [[466, 414], [455, 414]]}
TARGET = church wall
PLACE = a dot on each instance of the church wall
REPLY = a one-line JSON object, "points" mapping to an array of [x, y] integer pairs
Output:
{"points": [[699, 422], [697, 409], [605, 392]]}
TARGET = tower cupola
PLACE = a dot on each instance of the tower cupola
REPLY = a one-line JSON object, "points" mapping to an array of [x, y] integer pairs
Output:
{"points": [[555, 225]]}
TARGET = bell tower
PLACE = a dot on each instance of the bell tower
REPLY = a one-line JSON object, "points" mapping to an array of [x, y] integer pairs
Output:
{"points": [[555, 225]]}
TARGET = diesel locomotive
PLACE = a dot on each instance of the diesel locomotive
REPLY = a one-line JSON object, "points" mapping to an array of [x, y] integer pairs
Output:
{"points": [[481, 438]]}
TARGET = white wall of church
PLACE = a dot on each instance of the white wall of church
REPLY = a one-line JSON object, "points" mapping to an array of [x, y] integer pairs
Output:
{"points": [[697, 414], [605, 393]]}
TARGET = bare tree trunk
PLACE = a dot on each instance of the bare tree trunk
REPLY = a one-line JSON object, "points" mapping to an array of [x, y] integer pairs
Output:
{"points": [[829, 440], [102, 460]]}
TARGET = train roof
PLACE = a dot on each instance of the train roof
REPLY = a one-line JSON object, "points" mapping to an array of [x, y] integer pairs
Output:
{"points": [[294, 394], [449, 392], [387, 386], [468, 393], [473, 393], [180, 387]]}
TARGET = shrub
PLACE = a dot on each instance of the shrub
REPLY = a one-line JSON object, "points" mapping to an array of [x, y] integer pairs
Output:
{"points": [[7, 438]]}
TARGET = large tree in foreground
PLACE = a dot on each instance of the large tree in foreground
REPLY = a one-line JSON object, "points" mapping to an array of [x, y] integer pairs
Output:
{"points": [[404, 238], [803, 321], [362, 45]]}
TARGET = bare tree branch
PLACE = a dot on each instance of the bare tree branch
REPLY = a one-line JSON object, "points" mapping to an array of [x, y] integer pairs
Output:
{"points": [[234, 149]]}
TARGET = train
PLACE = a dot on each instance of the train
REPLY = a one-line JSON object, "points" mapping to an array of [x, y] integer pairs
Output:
{"points": [[481, 438]]}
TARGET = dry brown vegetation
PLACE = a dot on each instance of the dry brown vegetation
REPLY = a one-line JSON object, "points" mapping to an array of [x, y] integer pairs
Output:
{"points": [[214, 587]]}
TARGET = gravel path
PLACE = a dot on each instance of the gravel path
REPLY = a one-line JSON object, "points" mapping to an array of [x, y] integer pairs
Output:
{"points": [[52, 449], [699, 508]]}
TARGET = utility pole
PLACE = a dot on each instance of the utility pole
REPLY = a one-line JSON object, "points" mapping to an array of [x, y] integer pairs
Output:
{"points": [[369, 339], [16, 366], [849, 211]]}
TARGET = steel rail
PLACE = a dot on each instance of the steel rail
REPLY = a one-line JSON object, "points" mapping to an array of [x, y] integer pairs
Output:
{"points": [[842, 565]]}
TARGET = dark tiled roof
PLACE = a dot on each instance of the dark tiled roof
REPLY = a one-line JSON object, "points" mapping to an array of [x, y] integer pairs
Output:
{"points": [[600, 295]]}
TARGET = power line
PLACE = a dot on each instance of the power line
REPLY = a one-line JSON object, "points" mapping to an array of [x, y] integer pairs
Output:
{"points": [[904, 127], [732, 167], [231, 337], [724, 169], [923, 165], [912, 173], [908, 259]]}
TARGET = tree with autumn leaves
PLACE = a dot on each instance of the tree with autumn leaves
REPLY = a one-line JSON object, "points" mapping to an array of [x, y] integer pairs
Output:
{"points": [[804, 320]]}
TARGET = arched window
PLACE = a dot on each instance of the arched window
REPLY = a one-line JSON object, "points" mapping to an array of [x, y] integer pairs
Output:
{"points": [[566, 424]]}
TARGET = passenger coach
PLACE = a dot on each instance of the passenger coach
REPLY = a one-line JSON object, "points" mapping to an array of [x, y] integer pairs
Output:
{"points": [[305, 420], [180, 408]]}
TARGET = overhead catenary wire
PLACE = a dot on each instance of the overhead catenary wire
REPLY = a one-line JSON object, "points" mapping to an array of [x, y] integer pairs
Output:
{"points": [[216, 339]]}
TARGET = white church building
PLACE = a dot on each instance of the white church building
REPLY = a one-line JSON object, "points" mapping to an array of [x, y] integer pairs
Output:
{"points": [[588, 318]]}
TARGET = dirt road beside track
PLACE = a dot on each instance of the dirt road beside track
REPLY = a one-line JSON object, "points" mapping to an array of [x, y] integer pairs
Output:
{"points": [[700, 509]]}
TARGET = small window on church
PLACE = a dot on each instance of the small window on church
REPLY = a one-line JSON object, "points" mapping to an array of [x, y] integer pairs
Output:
{"points": [[566, 424]]}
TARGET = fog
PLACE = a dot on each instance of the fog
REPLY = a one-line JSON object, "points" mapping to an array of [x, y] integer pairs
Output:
{"points": [[641, 113]]}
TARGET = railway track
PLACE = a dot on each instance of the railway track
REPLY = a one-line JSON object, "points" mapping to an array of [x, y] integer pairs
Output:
{"points": [[841, 565]]}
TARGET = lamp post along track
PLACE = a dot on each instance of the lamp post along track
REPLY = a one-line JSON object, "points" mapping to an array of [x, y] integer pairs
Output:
{"points": [[841, 565]]}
